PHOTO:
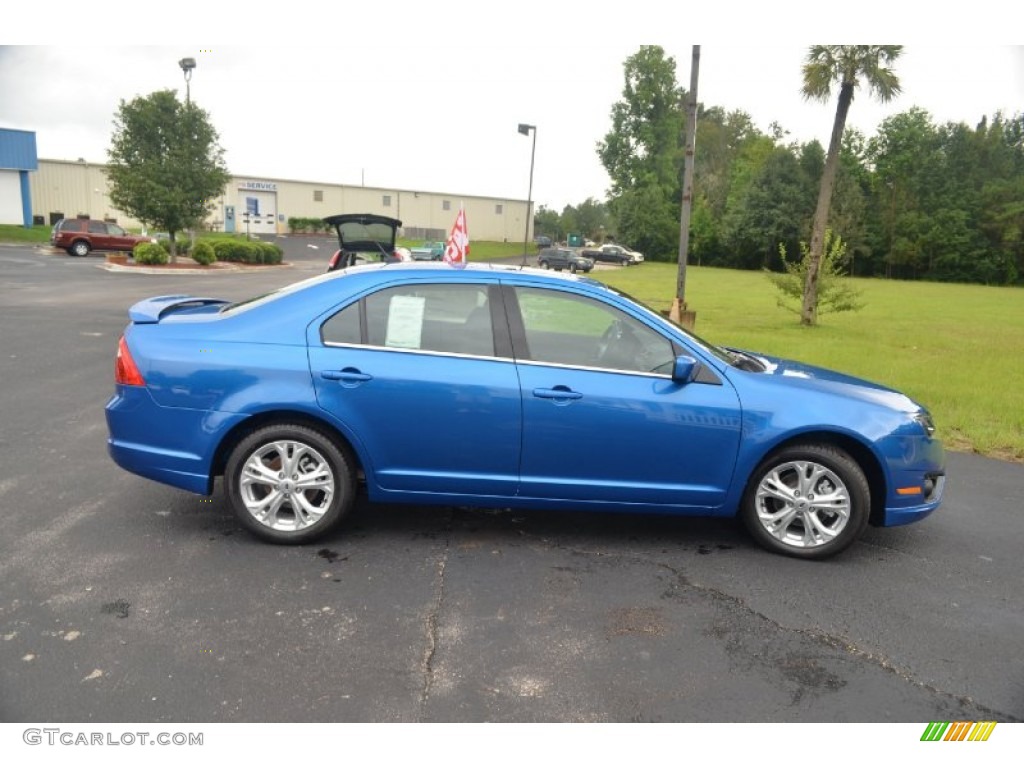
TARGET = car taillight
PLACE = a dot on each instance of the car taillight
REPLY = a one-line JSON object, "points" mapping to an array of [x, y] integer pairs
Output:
{"points": [[125, 370], [333, 263]]}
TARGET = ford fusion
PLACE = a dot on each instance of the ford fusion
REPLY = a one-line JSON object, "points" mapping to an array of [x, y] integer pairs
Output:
{"points": [[471, 387]]}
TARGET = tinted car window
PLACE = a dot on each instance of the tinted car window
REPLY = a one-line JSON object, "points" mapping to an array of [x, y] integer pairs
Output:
{"points": [[343, 328], [97, 228], [567, 329], [433, 318]]}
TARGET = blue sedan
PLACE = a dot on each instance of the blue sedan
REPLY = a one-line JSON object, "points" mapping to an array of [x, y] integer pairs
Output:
{"points": [[471, 387]]}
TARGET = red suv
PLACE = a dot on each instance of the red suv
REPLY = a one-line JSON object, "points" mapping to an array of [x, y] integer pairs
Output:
{"points": [[79, 236]]}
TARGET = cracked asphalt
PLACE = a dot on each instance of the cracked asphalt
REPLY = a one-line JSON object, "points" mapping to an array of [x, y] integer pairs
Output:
{"points": [[122, 600]]}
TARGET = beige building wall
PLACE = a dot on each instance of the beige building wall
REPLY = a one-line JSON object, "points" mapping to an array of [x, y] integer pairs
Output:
{"points": [[78, 188]]}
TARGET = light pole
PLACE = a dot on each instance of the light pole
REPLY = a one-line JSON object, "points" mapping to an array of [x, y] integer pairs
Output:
{"points": [[187, 65], [525, 130]]}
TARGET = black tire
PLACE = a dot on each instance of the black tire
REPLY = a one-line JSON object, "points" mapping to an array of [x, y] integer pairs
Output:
{"points": [[79, 248], [572, 268], [545, 265], [299, 514], [804, 474], [625, 262]]}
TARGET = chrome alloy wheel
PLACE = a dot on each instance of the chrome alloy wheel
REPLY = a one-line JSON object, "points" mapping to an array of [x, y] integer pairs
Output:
{"points": [[802, 504], [286, 485]]}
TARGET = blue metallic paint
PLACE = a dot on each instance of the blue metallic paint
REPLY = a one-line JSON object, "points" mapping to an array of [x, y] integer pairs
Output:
{"points": [[436, 428]]}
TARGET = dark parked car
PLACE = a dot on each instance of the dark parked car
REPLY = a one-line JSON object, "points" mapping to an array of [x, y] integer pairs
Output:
{"points": [[365, 238], [563, 258], [542, 241], [79, 236], [471, 387], [616, 254]]}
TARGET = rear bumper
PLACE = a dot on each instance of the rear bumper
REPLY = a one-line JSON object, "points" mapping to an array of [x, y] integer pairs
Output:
{"points": [[174, 446]]}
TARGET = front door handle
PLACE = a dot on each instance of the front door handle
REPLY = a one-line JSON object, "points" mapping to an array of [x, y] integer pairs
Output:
{"points": [[560, 393]]}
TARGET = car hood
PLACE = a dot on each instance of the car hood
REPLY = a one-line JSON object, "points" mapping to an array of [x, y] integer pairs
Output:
{"points": [[823, 379]]}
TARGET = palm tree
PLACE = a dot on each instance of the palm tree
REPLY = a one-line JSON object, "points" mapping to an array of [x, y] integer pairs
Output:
{"points": [[825, 66]]}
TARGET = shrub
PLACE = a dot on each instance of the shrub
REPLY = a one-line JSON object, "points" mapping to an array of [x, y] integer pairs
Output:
{"points": [[299, 224], [204, 254], [149, 253], [183, 243], [835, 294], [247, 251]]}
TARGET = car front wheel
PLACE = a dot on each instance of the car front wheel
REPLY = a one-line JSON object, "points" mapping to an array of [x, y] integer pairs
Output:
{"points": [[289, 484], [80, 248], [807, 501]]}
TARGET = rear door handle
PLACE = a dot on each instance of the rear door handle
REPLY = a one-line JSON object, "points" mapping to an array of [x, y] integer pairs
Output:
{"points": [[349, 375]]}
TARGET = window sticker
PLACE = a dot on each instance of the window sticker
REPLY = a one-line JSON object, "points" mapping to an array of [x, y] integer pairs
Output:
{"points": [[405, 322]]}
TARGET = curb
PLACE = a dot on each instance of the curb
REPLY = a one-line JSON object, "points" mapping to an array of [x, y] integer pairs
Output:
{"points": [[226, 269]]}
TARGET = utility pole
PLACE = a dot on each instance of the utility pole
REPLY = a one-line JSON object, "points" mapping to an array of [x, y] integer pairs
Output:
{"points": [[679, 313]]}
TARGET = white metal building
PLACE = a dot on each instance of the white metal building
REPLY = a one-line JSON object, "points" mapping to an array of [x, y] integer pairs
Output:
{"points": [[264, 205]]}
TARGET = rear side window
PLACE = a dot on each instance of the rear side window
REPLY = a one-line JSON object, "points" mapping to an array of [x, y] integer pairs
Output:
{"points": [[97, 228], [454, 319]]}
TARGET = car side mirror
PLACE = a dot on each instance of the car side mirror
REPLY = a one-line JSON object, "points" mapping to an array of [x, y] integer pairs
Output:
{"points": [[684, 369]]}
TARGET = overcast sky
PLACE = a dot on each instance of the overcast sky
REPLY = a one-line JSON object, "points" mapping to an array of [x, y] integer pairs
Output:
{"points": [[422, 96]]}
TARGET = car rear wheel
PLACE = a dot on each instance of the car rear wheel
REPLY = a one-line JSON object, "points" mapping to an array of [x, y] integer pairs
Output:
{"points": [[289, 484], [807, 501], [79, 248], [572, 268], [545, 265], [625, 262]]}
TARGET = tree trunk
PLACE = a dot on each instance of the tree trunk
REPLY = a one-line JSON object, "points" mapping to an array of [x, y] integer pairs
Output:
{"points": [[809, 312], [174, 248]]}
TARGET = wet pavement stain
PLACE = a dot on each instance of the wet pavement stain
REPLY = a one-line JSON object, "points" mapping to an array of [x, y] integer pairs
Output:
{"points": [[330, 555]]}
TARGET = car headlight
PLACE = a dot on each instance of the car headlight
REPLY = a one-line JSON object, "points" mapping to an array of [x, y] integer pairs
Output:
{"points": [[924, 419]]}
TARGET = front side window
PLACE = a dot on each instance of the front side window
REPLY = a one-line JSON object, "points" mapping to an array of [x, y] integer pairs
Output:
{"points": [[454, 319], [567, 329]]}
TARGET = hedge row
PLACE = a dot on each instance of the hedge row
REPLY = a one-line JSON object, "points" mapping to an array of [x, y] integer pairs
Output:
{"points": [[183, 244], [246, 251], [299, 224]]}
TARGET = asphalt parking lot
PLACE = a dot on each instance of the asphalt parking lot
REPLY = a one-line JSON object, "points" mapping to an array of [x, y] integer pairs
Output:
{"points": [[126, 601]]}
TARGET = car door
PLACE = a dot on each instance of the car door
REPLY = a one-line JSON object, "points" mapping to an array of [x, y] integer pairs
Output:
{"points": [[603, 421], [421, 375], [98, 235]]}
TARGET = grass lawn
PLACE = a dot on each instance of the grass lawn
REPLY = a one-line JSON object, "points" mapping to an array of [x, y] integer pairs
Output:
{"points": [[13, 233], [958, 349], [483, 250]]}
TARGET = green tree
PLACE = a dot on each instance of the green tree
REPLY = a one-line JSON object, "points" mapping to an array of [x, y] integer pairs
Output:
{"points": [[165, 165], [825, 66], [835, 294], [643, 153], [546, 221]]}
